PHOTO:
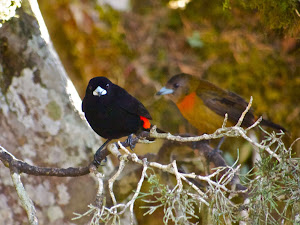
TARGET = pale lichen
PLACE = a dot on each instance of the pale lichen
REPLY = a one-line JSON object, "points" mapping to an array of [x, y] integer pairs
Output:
{"points": [[26, 151], [5, 178], [8, 9], [41, 194], [55, 213], [6, 217], [27, 98], [63, 194], [56, 156]]}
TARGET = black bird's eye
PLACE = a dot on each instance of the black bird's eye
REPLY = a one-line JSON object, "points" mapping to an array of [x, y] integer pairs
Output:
{"points": [[176, 85], [107, 85]]}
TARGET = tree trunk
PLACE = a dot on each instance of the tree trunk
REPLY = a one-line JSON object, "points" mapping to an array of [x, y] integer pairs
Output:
{"points": [[41, 123]]}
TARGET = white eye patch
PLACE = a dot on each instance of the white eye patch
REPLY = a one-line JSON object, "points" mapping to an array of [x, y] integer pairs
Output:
{"points": [[99, 91]]}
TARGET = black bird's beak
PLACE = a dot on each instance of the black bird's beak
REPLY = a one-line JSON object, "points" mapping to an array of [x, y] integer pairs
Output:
{"points": [[165, 91]]}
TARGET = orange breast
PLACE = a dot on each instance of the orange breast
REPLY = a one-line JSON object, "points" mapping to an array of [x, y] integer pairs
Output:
{"points": [[188, 103], [199, 115]]}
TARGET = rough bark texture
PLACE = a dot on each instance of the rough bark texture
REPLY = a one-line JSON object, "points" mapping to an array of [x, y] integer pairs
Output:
{"points": [[40, 123]]}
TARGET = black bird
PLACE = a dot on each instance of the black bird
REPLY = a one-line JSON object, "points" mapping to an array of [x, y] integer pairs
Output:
{"points": [[112, 112]]}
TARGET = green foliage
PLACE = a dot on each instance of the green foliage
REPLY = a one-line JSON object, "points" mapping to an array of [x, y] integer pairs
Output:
{"points": [[112, 31], [275, 194], [99, 215], [226, 5], [274, 189], [277, 14], [174, 20], [179, 206], [200, 11], [195, 40]]}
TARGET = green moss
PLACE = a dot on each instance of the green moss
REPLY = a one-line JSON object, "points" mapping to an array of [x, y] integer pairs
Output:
{"points": [[280, 15], [54, 110], [201, 11], [11, 61], [173, 20]]}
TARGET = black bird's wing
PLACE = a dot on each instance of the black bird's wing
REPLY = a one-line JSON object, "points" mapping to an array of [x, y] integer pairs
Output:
{"points": [[222, 102], [131, 104]]}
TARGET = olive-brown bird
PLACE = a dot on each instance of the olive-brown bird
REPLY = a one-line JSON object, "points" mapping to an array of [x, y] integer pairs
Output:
{"points": [[204, 104]]}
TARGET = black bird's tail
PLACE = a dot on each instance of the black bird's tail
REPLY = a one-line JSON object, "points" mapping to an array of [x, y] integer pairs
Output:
{"points": [[157, 130], [268, 123]]}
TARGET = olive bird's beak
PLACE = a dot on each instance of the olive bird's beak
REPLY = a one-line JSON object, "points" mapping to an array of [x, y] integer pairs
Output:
{"points": [[99, 91], [165, 91]]}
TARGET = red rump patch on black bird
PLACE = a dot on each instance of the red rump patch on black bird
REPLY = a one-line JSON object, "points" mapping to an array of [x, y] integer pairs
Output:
{"points": [[111, 111], [147, 123]]}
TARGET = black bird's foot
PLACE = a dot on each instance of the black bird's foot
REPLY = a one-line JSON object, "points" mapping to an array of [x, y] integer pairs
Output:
{"points": [[97, 156], [130, 142], [217, 149], [97, 161]]}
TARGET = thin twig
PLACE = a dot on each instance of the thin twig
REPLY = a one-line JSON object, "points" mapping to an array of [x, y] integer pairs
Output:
{"points": [[9, 160], [113, 179], [240, 121], [24, 198]]}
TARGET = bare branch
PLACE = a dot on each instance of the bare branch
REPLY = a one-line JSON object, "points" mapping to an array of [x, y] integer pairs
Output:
{"points": [[138, 189], [113, 179], [10, 161], [240, 121]]}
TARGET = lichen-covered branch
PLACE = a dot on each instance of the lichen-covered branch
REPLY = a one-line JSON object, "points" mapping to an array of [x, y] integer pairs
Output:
{"points": [[195, 195], [178, 201], [24, 198]]}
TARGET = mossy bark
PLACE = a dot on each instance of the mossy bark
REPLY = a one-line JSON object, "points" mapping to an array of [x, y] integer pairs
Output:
{"points": [[41, 122]]}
